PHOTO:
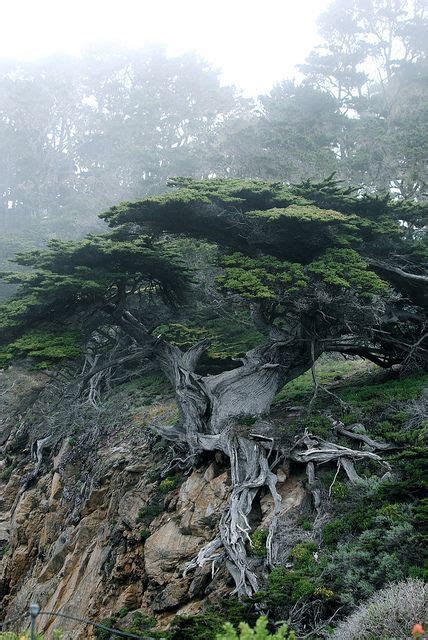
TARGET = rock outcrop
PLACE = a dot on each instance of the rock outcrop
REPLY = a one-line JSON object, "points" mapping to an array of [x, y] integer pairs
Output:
{"points": [[93, 533]]}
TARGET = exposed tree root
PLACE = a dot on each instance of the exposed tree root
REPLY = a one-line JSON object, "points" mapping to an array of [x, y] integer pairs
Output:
{"points": [[210, 407], [320, 450], [250, 471], [315, 489], [319, 387], [349, 432]]}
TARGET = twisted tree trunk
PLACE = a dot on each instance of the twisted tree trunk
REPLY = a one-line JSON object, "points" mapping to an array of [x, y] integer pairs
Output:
{"points": [[210, 410]]}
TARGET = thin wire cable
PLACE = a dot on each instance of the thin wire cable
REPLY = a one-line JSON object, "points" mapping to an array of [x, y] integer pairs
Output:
{"points": [[116, 632]]}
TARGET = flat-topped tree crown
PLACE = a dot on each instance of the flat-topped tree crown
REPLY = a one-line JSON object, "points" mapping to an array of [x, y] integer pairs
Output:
{"points": [[251, 216], [269, 233], [298, 251], [312, 259]]}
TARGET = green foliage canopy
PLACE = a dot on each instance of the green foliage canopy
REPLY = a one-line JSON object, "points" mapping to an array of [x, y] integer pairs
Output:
{"points": [[305, 255]]}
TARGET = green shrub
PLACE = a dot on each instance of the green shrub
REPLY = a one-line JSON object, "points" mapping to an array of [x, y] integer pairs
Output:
{"points": [[418, 572], [302, 556], [198, 627], [7, 473], [258, 541], [323, 592], [260, 632], [390, 613], [149, 512], [288, 586], [167, 485], [395, 512], [277, 580], [360, 518], [103, 634], [5, 360], [248, 421], [207, 625], [144, 534], [382, 554], [334, 530], [339, 491], [140, 621], [420, 521], [306, 524], [410, 481], [140, 626]]}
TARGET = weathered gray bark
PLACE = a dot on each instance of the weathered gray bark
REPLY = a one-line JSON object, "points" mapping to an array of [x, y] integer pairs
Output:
{"points": [[350, 432], [210, 408]]}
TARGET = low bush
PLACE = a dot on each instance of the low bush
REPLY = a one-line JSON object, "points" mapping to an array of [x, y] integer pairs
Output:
{"points": [[286, 586], [260, 632], [339, 491], [303, 558], [206, 625], [144, 534], [141, 621], [149, 512], [258, 542], [334, 530], [167, 485], [103, 634], [390, 613]]}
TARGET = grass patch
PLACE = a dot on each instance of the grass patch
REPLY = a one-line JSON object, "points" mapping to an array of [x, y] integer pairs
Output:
{"points": [[371, 397], [328, 369]]}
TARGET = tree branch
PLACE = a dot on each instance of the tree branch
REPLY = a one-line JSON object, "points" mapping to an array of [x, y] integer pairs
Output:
{"points": [[263, 325], [413, 277]]}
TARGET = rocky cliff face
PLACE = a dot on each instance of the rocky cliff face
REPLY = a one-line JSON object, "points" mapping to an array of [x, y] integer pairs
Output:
{"points": [[88, 527]]}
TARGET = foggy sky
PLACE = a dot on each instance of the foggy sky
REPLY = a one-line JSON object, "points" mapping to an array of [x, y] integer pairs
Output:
{"points": [[255, 43]]}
